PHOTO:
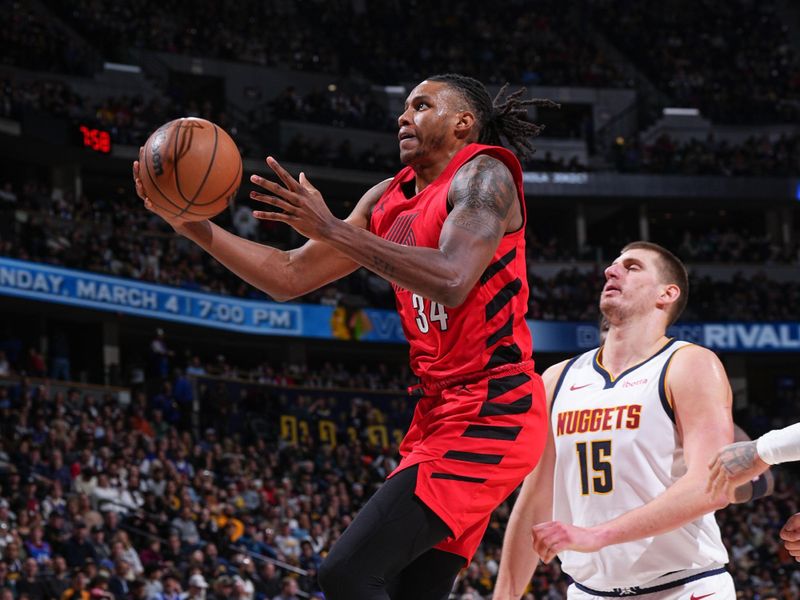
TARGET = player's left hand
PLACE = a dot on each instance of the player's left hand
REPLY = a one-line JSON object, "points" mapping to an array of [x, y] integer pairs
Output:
{"points": [[734, 465], [301, 204], [552, 537], [790, 534]]}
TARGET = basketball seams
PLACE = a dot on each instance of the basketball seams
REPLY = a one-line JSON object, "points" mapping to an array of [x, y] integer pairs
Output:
{"points": [[175, 168], [236, 178], [210, 164], [148, 170], [232, 186]]}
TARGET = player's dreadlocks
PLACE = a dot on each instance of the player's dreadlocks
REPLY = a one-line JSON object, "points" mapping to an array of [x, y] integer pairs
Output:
{"points": [[505, 116]]}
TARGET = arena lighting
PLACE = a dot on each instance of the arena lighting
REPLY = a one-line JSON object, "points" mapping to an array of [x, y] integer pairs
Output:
{"points": [[681, 112], [111, 66]]}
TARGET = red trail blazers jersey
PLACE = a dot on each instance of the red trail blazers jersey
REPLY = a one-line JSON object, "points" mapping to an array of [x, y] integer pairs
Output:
{"points": [[486, 331]]}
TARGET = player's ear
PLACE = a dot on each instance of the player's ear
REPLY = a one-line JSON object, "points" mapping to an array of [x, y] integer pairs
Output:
{"points": [[670, 294], [465, 123]]}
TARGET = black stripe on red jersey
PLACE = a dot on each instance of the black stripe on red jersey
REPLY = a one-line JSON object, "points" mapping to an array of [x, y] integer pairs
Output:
{"points": [[474, 457], [506, 433], [495, 409], [504, 355], [452, 477], [502, 298], [502, 385], [494, 268], [506, 330]]}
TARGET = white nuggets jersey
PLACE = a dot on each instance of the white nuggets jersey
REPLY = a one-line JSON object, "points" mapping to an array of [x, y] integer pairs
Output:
{"points": [[617, 448]]}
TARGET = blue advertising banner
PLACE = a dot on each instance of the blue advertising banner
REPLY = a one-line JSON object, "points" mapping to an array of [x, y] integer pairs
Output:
{"points": [[89, 290], [114, 294], [36, 281]]}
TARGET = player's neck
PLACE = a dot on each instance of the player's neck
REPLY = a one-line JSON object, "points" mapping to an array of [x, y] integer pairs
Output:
{"points": [[426, 173], [631, 343]]}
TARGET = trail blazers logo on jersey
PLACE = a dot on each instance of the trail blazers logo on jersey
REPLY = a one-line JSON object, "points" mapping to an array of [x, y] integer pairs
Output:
{"points": [[626, 416], [402, 232]]}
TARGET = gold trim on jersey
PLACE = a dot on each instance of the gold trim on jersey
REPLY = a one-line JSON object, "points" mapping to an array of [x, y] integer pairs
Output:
{"points": [[614, 379], [667, 395]]}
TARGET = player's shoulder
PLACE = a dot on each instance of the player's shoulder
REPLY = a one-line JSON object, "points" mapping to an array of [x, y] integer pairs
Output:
{"points": [[373, 194], [686, 355], [363, 209], [692, 367], [553, 374], [484, 166], [480, 174]]}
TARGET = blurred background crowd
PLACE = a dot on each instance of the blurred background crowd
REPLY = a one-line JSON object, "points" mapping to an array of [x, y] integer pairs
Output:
{"points": [[213, 476]]}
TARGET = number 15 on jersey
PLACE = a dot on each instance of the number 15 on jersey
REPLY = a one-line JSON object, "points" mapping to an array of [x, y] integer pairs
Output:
{"points": [[597, 459]]}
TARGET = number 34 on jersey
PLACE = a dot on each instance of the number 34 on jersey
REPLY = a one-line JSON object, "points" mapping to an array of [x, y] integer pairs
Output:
{"points": [[429, 314]]}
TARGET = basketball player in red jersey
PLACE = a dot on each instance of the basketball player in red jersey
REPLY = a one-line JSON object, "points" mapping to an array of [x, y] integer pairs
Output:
{"points": [[448, 232]]}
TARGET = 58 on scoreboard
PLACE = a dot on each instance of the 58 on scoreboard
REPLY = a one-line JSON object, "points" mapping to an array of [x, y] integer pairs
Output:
{"points": [[95, 139]]}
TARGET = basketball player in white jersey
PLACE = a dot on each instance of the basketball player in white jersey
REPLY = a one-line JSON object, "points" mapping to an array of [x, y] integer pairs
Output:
{"points": [[619, 494]]}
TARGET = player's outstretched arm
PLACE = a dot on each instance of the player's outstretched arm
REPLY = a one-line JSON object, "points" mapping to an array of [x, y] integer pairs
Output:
{"points": [[702, 400], [533, 505], [484, 200], [281, 274]]}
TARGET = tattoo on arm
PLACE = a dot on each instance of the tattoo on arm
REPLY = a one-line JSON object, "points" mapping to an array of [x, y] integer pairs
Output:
{"points": [[483, 194], [739, 457], [382, 266]]}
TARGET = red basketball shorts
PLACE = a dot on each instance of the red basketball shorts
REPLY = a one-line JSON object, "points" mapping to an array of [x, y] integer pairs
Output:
{"points": [[474, 443]]}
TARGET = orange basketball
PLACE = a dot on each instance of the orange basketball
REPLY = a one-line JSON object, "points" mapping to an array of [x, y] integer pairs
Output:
{"points": [[190, 168]]}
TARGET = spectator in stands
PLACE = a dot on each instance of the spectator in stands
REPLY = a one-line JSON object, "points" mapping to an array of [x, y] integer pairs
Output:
{"points": [[197, 587], [223, 588], [172, 588], [79, 549], [30, 582], [59, 579], [152, 580], [184, 524], [78, 587], [102, 551], [37, 548], [289, 589]]}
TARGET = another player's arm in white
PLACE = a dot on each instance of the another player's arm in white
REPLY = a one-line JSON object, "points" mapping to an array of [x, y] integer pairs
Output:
{"points": [[702, 401], [534, 505], [283, 274]]}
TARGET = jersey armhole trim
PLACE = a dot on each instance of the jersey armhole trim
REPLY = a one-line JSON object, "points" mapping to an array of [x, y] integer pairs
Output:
{"points": [[663, 391], [561, 381]]}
